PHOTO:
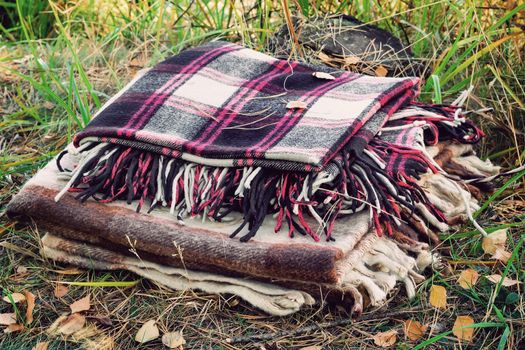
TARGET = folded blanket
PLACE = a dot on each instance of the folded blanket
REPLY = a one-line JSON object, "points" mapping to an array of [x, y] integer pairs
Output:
{"points": [[222, 140], [221, 128]]}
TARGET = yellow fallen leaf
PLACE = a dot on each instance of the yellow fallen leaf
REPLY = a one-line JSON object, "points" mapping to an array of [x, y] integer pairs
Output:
{"points": [[385, 339], [17, 297], [414, 329], [494, 241], [173, 340], [465, 334], [501, 255], [7, 319], [468, 278], [17, 327], [507, 282], [147, 332], [438, 297], [60, 290], [296, 105], [72, 324], [83, 304], [323, 75], [41, 345], [30, 297], [381, 71], [352, 60]]}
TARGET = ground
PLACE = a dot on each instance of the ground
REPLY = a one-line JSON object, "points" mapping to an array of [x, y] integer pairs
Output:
{"points": [[60, 61]]}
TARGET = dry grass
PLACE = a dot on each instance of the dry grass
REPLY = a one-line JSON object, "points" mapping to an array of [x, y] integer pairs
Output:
{"points": [[58, 66]]}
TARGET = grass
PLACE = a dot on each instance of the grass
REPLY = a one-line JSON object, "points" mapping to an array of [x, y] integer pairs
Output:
{"points": [[59, 61]]}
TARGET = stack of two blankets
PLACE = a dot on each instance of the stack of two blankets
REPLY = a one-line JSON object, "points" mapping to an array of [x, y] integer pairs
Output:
{"points": [[225, 170]]}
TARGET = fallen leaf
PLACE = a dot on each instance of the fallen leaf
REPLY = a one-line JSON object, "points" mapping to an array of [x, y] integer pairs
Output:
{"points": [[324, 57], [296, 104], [7, 319], [54, 326], [501, 255], [414, 329], [468, 278], [438, 297], [381, 71], [507, 282], [83, 304], [30, 297], [16, 297], [17, 327], [323, 75], [312, 347], [352, 60], [385, 339], [21, 270], [173, 340], [72, 324], [494, 241], [60, 290], [465, 334], [41, 345], [147, 332]]}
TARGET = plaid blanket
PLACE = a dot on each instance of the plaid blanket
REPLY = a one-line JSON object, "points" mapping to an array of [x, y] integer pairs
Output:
{"points": [[221, 128]]}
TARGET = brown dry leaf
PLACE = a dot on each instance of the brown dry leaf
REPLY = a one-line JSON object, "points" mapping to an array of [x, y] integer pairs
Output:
{"points": [[381, 71], [147, 332], [438, 297], [83, 304], [173, 340], [72, 324], [60, 290], [385, 339], [352, 60], [17, 297], [296, 104], [465, 334], [21, 270], [507, 282], [30, 297], [17, 327], [7, 319], [501, 255], [41, 346], [414, 329], [323, 75], [54, 326], [468, 278], [494, 241]]}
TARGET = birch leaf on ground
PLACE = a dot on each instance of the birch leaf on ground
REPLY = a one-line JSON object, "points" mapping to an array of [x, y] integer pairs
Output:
{"points": [[465, 334], [296, 105], [468, 278], [30, 297], [16, 297], [60, 290], [7, 319], [385, 339], [414, 329], [323, 75], [173, 340], [381, 71], [438, 297], [147, 332], [17, 327], [501, 255], [72, 324], [507, 282], [83, 304], [494, 241]]}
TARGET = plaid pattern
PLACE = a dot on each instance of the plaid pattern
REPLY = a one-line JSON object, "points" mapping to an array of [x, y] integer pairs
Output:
{"points": [[209, 131], [227, 104]]}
